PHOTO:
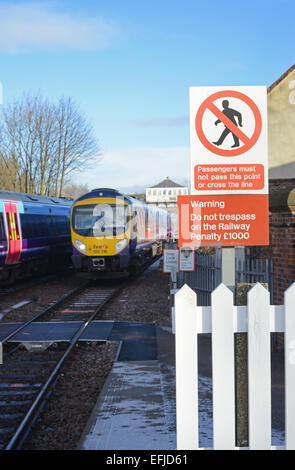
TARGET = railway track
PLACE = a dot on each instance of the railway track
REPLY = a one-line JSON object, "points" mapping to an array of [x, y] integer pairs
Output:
{"points": [[27, 378]]}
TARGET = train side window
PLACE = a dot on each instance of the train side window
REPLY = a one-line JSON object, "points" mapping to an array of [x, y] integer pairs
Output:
{"points": [[53, 226], [61, 223], [40, 223], [25, 225], [2, 229], [58, 224], [34, 229], [47, 224], [66, 223], [36, 225]]}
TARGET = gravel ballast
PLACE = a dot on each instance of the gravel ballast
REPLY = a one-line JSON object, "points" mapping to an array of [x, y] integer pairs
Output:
{"points": [[65, 416]]}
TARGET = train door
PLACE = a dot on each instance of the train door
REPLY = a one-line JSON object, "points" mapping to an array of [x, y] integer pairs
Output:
{"points": [[3, 238], [13, 231]]}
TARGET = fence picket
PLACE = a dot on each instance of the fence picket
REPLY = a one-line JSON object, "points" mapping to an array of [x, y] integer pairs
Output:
{"points": [[259, 368], [186, 349], [290, 367], [259, 318], [223, 369]]}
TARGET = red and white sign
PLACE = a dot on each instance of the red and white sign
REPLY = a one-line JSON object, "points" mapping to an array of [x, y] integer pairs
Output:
{"points": [[223, 220], [228, 205], [228, 133]]}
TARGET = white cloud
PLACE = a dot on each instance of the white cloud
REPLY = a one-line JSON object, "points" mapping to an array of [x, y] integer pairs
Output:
{"points": [[137, 168], [38, 26]]}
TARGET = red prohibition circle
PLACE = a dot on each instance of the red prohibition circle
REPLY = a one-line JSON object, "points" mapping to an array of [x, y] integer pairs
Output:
{"points": [[248, 141]]}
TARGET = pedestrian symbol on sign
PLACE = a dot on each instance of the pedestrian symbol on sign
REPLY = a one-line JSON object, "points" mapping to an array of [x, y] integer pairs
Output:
{"points": [[231, 117], [231, 114]]}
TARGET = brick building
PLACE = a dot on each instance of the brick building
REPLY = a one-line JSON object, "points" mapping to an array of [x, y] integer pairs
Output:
{"points": [[281, 126]]}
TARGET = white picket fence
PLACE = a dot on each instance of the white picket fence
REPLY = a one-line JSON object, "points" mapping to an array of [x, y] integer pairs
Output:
{"points": [[222, 320]]}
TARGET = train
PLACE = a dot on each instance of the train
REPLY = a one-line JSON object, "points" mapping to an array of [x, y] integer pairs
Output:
{"points": [[35, 235], [115, 235]]}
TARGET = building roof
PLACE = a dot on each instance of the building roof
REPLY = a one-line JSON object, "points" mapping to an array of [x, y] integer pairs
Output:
{"points": [[282, 77], [282, 171], [167, 183]]}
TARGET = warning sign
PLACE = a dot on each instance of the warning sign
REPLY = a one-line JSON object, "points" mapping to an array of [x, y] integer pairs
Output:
{"points": [[228, 133], [186, 259], [232, 120], [170, 260], [229, 177], [223, 220]]}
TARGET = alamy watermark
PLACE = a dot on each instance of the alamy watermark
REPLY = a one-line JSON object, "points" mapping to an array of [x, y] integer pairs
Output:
{"points": [[1, 93], [1, 353]]}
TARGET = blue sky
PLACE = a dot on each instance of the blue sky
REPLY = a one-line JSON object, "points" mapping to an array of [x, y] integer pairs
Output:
{"points": [[129, 65]]}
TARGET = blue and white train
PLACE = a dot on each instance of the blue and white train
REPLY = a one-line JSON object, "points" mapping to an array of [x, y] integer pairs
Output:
{"points": [[34, 235]]}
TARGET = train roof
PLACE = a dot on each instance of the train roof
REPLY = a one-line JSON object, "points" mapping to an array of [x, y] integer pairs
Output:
{"points": [[113, 193], [24, 197], [101, 192], [109, 192]]}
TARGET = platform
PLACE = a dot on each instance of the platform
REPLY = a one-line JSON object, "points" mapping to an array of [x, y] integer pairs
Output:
{"points": [[136, 408]]}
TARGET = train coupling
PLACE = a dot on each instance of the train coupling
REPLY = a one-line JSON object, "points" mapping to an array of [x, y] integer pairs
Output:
{"points": [[99, 263]]}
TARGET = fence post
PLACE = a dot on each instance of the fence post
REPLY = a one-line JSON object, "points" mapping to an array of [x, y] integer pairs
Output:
{"points": [[223, 369], [241, 373], [186, 363], [259, 374]]}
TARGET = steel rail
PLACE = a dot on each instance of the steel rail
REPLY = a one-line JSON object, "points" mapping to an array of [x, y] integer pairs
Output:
{"points": [[43, 312], [23, 429]]}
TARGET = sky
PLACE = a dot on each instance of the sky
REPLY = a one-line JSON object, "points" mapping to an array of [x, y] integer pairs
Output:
{"points": [[129, 65]]}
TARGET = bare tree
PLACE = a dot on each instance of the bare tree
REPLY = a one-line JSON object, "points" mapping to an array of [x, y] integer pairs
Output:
{"points": [[44, 143], [74, 191], [76, 149]]}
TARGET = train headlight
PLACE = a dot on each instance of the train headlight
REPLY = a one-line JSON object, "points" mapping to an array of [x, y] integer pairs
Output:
{"points": [[121, 245], [80, 246]]}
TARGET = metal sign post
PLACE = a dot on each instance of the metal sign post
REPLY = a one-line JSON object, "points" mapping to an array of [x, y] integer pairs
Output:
{"points": [[241, 353], [228, 268]]}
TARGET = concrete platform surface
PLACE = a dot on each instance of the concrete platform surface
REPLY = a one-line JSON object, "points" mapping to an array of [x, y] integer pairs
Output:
{"points": [[130, 413], [136, 408]]}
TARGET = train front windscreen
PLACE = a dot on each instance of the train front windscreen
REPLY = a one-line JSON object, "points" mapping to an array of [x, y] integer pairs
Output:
{"points": [[100, 220]]}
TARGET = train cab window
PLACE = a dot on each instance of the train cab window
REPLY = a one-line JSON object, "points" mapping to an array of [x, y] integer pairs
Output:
{"points": [[100, 220], [2, 228]]}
